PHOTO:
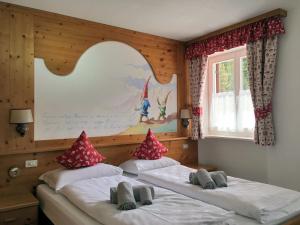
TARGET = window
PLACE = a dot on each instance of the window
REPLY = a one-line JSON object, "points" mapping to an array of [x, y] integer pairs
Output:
{"points": [[230, 109]]}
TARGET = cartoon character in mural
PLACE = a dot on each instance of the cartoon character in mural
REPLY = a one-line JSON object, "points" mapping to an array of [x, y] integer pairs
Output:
{"points": [[145, 104], [162, 105]]}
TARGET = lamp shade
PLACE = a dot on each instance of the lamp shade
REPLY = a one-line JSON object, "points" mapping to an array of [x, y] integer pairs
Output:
{"points": [[185, 114], [20, 116]]}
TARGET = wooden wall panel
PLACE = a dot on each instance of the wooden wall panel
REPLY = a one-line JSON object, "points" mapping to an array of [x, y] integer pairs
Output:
{"points": [[17, 53], [60, 40], [46, 161], [4, 77]]}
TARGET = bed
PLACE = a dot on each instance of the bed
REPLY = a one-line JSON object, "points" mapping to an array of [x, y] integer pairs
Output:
{"points": [[81, 197], [61, 211], [87, 202], [266, 203]]}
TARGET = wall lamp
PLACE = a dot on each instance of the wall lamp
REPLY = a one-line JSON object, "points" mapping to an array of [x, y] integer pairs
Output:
{"points": [[21, 117], [185, 115]]}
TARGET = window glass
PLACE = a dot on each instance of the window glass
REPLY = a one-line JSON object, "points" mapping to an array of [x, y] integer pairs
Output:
{"points": [[229, 110], [224, 73]]}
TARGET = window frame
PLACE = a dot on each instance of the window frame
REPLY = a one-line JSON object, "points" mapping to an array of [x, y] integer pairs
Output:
{"points": [[236, 54]]}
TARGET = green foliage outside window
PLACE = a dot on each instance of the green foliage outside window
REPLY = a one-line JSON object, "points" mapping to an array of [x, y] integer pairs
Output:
{"points": [[226, 76]]}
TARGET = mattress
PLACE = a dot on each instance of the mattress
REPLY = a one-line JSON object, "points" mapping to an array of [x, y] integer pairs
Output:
{"points": [[92, 197], [59, 210], [266, 203]]}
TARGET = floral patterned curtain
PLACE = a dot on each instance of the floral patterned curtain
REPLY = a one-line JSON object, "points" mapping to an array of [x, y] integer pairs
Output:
{"points": [[197, 68], [249, 33], [261, 65], [261, 39]]}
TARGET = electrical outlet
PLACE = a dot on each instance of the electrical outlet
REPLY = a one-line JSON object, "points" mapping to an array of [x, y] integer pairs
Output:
{"points": [[31, 163], [185, 146]]}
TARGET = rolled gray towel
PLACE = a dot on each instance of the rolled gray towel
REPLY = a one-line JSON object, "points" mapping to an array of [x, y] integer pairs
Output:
{"points": [[219, 172], [136, 193], [113, 195], [125, 195], [205, 179], [193, 178], [145, 195], [219, 179]]}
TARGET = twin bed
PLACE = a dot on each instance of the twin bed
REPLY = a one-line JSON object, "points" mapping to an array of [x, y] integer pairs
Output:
{"points": [[81, 197]]}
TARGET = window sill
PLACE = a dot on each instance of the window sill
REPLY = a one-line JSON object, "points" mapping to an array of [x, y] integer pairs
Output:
{"points": [[229, 137]]}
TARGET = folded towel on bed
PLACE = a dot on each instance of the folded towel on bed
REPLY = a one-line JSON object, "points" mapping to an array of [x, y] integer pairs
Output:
{"points": [[194, 180], [219, 172], [145, 195], [219, 179], [136, 193], [125, 195], [205, 179]]}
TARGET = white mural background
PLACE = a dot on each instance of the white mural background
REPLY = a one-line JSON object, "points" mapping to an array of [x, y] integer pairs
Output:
{"points": [[101, 96]]}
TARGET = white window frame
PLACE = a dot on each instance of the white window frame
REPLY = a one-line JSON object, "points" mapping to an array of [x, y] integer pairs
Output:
{"points": [[236, 53]]}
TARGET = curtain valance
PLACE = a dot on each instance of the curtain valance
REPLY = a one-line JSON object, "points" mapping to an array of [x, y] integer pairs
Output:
{"points": [[249, 33]]}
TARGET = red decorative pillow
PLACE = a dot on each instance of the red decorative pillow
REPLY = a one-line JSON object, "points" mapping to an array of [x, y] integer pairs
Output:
{"points": [[151, 148], [81, 154]]}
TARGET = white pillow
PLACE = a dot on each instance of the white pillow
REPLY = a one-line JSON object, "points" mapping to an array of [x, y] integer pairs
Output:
{"points": [[135, 166], [60, 177]]}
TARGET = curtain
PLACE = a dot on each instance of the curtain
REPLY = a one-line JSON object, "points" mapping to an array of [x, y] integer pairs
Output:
{"points": [[222, 112], [225, 117], [245, 113], [249, 33], [261, 39], [261, 65], [197, 67]]}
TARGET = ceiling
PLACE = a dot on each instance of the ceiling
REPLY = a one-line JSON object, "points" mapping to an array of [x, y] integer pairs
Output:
{"points": [[177, 19]]}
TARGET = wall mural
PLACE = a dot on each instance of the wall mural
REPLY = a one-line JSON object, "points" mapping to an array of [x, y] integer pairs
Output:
{"points": [[111, 91]]}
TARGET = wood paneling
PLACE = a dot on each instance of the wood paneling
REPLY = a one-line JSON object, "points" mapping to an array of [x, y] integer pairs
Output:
{"points": [[60, 40], [16, 55], [46, 161]]}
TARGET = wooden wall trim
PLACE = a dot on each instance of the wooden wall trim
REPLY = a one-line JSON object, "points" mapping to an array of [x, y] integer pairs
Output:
{"points": [[276, 12], [64, 144], [46, 161]]}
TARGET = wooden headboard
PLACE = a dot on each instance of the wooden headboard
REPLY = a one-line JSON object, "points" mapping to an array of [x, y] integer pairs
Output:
{"points": [[28, 178], [60, 40]]}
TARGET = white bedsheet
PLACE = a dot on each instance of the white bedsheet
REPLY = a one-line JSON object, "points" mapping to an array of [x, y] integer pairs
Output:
{"points": [[60, 210], [92, 197], [263, 202]]}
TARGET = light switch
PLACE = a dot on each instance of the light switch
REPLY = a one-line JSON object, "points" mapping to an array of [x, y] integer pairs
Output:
{"points": [[31, 163]]}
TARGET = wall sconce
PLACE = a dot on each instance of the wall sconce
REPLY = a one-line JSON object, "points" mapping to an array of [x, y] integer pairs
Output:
{"points": [[21, 117], [185, 115]]}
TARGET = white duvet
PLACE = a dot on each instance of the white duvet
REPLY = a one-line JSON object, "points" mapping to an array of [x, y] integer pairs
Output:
{"points": [[92, 197], [263, 202]]}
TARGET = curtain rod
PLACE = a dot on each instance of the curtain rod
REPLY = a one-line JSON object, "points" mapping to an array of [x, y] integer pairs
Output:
{"points": [[276, 12]]}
